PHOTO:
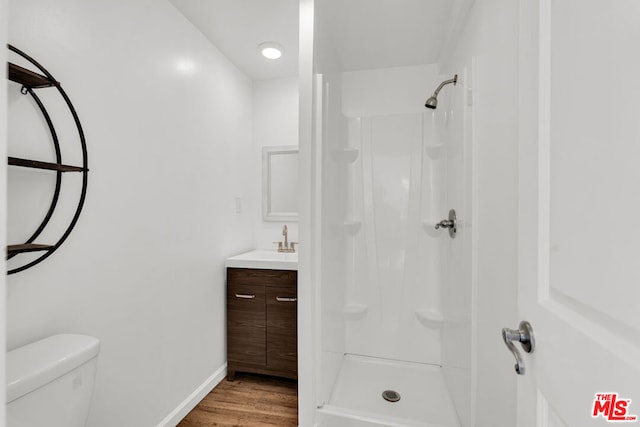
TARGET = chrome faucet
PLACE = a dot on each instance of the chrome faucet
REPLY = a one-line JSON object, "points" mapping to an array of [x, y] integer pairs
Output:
{"points": [[285, 233], [286, 246]]}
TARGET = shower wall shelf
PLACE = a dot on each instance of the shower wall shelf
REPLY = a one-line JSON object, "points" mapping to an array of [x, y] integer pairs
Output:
{"points": [[352, 226], [430, 318], [354, 311], [345, 155], [30, 80], [433, 150]]}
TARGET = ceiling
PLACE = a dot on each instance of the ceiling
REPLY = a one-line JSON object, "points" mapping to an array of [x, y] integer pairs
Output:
{"points": [[368, 34], [364, 34], [237, 27]]}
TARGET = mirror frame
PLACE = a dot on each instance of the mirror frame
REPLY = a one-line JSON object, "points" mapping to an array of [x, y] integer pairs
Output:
{"points": [[267, 213]]}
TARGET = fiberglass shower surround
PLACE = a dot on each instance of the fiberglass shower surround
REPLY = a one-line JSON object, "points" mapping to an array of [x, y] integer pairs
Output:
{"points": [[384, 263], [393, 266]]}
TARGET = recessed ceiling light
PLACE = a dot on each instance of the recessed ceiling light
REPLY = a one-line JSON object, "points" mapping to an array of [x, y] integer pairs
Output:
{"points": [[270, 50]]}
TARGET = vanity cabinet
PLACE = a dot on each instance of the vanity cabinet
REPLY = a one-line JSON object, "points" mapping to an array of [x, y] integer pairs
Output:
{"points": [[262, 322]]}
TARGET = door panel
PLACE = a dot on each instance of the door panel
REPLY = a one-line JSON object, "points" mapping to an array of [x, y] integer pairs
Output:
{"points": [[594, 145], [579, 241], [246, 332], [548, 415], [282, 335]]}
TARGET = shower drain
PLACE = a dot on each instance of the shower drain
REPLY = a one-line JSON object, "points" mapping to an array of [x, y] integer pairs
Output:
{"points": [[391, 395]]}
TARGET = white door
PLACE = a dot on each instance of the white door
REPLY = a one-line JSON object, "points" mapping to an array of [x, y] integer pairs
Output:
{"points": [[579, 213]]}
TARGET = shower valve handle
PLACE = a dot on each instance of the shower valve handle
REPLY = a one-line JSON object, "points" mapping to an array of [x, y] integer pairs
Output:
{"points": [[445, 223], [451, 223]]}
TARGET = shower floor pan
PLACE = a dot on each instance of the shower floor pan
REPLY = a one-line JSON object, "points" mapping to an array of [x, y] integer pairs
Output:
{"points": [[357, 401]]}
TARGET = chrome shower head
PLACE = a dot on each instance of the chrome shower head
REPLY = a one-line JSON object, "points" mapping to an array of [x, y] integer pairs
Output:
{"points": [[432, 102]]}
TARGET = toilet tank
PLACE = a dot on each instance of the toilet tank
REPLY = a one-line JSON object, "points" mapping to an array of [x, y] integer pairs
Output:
{"points": [[50, 382]]}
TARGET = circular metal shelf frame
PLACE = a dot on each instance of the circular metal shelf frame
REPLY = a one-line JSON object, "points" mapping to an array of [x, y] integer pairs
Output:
{"points": [[85, 166]]}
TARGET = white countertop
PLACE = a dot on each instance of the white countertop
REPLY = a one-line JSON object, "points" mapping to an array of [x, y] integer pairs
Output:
{"points": [[264, 259]]}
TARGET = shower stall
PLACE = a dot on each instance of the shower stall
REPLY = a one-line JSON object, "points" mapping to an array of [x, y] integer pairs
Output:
{"points": [[395, 292]]}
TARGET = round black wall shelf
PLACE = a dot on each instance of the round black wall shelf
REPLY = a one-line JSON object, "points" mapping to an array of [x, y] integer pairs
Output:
{"points": [[31, 82]]}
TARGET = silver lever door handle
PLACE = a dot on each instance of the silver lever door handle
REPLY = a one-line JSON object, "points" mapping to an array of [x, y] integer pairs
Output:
{"points": [[524, 335]]}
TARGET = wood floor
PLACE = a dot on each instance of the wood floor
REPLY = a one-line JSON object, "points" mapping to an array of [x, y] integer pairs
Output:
{"points": [[249, 401]]}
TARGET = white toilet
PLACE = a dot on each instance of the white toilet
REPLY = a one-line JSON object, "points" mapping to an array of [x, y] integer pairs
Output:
{"points": [[50, 382]]}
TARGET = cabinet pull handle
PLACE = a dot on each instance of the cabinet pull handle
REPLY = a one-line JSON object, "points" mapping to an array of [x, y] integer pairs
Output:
{"points": [[243, 296], [286, 299]]}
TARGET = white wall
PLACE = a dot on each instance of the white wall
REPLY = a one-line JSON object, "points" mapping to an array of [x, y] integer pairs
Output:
{"points": [[275, 122], [168, 126], [3, 194], [309, 209], [489, 41], [396, 90]]}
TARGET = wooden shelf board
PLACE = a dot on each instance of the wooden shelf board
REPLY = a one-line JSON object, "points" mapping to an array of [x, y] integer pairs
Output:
{"points": [[36, 164], [29, 78], [27, 247]]}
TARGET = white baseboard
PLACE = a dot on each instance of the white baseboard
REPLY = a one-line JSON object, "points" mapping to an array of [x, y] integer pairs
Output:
{"points": [[194, 398]]}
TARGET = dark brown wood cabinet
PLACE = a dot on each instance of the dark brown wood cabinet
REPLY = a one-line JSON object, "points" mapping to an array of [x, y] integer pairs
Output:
{"points": [[262, 332]]}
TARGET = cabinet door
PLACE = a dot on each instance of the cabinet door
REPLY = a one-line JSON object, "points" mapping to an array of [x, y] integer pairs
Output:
{"points": [[246, 332], [282, 329]]}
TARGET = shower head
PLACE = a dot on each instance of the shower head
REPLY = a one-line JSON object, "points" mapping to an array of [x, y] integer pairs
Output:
{"points": [[432, 102]]}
